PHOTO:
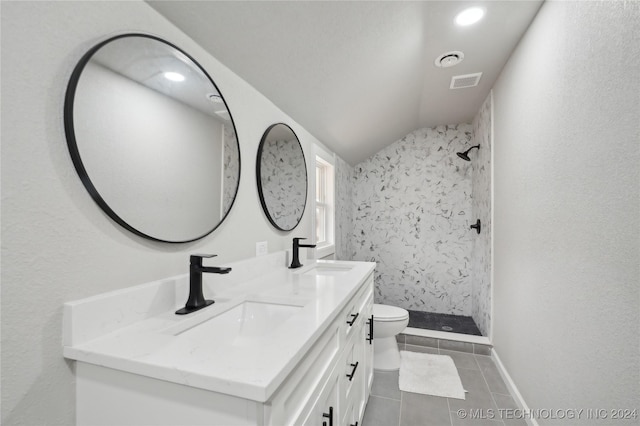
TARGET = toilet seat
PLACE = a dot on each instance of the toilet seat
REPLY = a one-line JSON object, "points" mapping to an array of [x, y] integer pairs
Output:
{"points": [[389, 313]]}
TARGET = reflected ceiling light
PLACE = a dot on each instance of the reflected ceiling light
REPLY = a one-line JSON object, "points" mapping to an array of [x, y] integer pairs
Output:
{"points": [[469, 16], [215, 98], [173, 76]]}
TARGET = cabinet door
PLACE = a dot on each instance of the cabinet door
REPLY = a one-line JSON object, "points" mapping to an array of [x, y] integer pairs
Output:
{"points": [[367, 338], [325, 411], [353, 363], [352, 415]]}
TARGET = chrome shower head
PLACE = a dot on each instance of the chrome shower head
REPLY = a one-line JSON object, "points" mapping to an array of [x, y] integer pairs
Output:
{"points": [[465, 155]]}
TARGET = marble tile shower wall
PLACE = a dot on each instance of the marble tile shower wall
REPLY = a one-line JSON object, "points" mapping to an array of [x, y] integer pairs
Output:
{"points": [[481, 208], [282, 171], [411, 214]]}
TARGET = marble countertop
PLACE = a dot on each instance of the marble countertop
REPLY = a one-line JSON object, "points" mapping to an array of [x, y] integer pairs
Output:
{"points": [[136, 330]]}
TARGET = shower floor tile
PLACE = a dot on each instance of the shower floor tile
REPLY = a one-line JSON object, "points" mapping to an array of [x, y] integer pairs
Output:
{"points": [[443, 322]]}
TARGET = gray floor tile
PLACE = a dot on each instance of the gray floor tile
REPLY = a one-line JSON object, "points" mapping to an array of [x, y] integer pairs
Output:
{"points": [[388, 406], [422, 349], [504, 401], [479, 349], [424, 410], [462, 359], [421, 341], [472, 380], [513, 418], [491, 375], [515, 422], [451, 345], [475, 400], [385, 384], [481, 419], [381, 412]]}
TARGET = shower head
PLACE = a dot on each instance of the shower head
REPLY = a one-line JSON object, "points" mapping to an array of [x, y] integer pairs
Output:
{"points": [[465, 155]]}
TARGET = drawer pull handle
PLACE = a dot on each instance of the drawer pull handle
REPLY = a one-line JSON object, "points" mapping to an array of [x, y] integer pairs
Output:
{"points": [[353, 320], [370, 337], [356, 424], [328, 415], [355, 367]]}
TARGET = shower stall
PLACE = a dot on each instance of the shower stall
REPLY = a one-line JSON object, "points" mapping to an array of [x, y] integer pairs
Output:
{"points": [[421, 209]]}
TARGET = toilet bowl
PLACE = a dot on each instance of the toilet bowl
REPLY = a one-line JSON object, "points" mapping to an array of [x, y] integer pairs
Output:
{"points": [[388, 321]]}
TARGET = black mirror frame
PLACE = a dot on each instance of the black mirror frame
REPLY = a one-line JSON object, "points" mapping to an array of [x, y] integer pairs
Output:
{"points": [[259, 181], [75, 153]]}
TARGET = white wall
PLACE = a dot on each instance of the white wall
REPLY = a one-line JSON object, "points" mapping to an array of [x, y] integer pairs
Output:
{"points": [[57, 245], [567, 208]]}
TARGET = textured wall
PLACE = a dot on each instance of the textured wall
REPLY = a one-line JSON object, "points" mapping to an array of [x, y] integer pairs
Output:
{"points": [[57, 245], [344, 209], [412, 214], [566, 208], [481, 208]]}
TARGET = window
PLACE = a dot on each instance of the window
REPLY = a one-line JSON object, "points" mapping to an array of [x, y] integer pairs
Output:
{"points": [[324, 204]]}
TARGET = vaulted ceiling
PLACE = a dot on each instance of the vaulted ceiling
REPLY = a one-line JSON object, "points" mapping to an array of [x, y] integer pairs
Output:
{"points": [[358, 75]]}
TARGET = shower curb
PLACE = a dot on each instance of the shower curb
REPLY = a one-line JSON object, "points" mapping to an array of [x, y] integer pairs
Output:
{"points": [[445, 344]]}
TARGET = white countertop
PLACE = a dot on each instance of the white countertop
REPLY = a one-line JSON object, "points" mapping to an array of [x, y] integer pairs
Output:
{"points": [[136, 330]]}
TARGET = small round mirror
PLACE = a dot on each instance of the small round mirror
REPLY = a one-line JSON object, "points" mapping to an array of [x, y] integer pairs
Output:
{"points": [[152, 139], [281, 171]]}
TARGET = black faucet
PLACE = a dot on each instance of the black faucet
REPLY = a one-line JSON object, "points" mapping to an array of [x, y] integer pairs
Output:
{"points": [[295, 263], [196, 299]]}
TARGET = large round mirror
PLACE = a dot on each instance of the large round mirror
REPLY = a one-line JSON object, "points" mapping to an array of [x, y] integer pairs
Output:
{"points": [[152, 138], [282, 177]]}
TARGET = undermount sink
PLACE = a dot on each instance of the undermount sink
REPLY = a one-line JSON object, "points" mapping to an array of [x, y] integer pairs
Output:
{"points": [[244, 323], [328, 269]]}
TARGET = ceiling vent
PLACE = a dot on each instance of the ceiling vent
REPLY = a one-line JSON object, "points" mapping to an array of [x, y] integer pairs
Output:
{"points": [[449, 59], [463, 81]]}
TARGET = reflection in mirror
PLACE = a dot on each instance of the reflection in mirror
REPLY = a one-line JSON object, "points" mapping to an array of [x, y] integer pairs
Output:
{"points": [[152, 138], [282, 177]]}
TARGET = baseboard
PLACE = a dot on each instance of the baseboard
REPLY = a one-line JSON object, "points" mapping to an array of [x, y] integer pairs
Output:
{"points": [[513, 389]]}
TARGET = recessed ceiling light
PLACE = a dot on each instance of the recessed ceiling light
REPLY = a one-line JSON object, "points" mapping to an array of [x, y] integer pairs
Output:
{"points": [[173, 76], [469, 16]]}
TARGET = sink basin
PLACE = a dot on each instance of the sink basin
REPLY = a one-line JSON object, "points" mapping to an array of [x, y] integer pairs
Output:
{"points": [[244, 323], [328, 269]]}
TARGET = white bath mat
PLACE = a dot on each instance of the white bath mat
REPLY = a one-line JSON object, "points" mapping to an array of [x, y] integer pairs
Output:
{"points": [[430, 375]]}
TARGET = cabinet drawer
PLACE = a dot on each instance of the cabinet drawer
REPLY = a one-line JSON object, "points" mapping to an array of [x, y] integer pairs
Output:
{"points": [[352, 314], [302, 387], [353, 365]]}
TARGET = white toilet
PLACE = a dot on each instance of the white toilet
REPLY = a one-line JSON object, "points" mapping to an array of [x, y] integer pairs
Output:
{"points": [[388, 321]]}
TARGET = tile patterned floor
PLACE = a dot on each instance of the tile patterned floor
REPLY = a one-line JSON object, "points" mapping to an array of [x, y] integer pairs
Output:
{"points": [[487, 400]]}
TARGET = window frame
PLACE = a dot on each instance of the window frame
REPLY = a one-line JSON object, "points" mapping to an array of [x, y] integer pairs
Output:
{"points": [[326, 161]]}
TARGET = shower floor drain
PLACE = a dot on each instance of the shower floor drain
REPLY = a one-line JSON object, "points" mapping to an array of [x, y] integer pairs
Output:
{"points": [[447, 328]]}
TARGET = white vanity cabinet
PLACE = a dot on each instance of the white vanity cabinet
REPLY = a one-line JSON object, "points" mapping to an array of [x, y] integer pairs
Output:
{"points": [[327, 384], [332, 385]]}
